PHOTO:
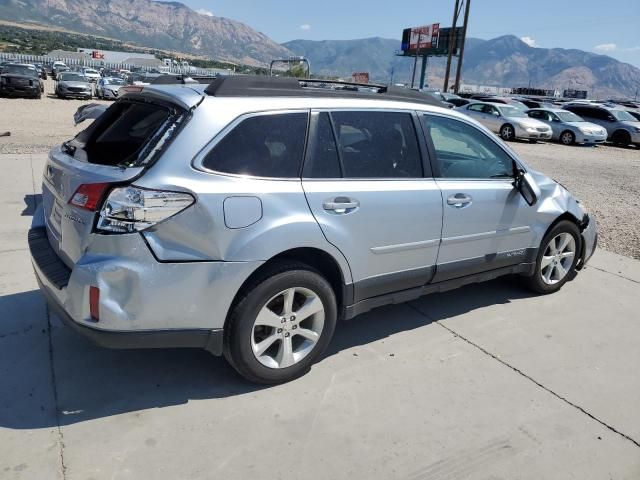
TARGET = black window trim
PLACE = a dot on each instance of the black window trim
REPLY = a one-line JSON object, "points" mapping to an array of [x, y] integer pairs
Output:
{"points": [[425, 162], [436, 165], [197, 162]]}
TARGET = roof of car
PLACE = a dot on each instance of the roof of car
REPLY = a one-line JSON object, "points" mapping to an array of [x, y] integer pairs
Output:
{"points": [[262, 86]]}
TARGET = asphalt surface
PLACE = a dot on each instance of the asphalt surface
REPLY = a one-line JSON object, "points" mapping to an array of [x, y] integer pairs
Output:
{"points": [[487, 382]]}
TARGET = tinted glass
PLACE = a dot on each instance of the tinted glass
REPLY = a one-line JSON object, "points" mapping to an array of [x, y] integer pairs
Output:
{"points": [[509, 111], [477, 107], [465, 152], [623, 115], [262, 146], [569, 117], [322, 159], [537, 114], [377, 144]]}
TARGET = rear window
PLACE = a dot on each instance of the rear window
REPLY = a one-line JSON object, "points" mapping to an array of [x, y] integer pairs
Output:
{"points": [[125, 133], [262, 146]]}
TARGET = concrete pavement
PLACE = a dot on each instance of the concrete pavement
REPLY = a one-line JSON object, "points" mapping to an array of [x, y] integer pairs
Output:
{"points": [[486, 382]]}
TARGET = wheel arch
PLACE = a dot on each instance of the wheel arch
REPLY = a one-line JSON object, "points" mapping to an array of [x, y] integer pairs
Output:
{"points": [[621, 131], [316, 258]]}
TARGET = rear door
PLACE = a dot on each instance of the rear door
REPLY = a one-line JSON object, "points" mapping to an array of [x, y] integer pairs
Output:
{"points": [[486, 222], [83, 169], [374, 198]]}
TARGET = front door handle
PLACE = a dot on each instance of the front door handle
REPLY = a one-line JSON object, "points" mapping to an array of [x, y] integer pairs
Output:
{"points": [[459, 200], [341, 205]]}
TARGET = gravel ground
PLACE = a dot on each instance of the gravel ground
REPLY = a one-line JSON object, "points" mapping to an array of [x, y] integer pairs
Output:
{"points": [[605, 178], [37, 125]]}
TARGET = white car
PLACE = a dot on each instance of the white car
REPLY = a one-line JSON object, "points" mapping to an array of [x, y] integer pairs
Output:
{"points": [[107, 88], [91, 74], [507, 121]]}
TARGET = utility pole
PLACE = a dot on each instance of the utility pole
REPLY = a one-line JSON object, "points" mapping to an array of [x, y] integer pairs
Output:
{"points": [[415, 62], [452, 37], [463, 40]]}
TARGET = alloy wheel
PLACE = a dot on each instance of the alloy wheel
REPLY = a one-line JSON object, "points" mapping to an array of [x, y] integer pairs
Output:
{"points": [[567, 138], [287, 327], [557, 258]]}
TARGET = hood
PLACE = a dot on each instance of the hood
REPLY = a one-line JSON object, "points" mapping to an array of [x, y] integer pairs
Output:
{"points": [[629, 123], [589, 125], [529, 122], [19, 75], [74, 84]]}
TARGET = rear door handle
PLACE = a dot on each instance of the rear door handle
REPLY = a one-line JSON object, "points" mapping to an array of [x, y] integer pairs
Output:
{"points": [[459, 200], [341, 205]]}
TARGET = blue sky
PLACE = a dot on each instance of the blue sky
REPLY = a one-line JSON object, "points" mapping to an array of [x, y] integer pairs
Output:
{"points": [[610, 27]]}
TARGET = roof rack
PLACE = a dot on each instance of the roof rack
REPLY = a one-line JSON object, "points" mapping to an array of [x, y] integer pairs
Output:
{"points": [[262, 86], [181, 79]]}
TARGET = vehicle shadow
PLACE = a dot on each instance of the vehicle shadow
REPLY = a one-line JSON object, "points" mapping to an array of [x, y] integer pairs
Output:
{"points": [[93, 382], [31, 204]]}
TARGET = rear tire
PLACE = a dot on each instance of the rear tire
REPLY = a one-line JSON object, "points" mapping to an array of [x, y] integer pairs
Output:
{"points": [[271, 337], [507, 133], [557, 258], [567, 138]]}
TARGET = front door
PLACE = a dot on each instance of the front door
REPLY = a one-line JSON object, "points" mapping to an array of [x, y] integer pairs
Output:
{"points": [[364, 181], [486, 222]]}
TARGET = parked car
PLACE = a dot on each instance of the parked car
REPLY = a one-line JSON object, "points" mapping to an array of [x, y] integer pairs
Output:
{"points": [[91, 74], [73, 85], [41, 71], [567, 127], [20, 80], [191, 216], [459, 102], [57, 70], [530, 103], [504, 101], [634, 113], [107, 88], [509, 122], [622, 127]]}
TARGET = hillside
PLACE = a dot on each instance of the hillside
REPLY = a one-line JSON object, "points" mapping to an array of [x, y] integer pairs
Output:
{"points": [[163, 25], [502, 61]]}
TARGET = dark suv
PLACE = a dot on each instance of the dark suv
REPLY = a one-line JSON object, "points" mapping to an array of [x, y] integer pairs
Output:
{"points": [[19, 80]]}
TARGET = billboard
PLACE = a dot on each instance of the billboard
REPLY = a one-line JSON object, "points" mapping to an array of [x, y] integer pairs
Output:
{"points": [[423, 38], [360, 77]]}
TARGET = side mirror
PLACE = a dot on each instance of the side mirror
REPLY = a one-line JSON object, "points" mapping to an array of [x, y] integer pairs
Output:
{"points": [[527, 187]]}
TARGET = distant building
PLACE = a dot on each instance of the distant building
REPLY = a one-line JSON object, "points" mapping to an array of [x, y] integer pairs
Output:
{"points": [[144, 62], [111, 56], [66, 55]]}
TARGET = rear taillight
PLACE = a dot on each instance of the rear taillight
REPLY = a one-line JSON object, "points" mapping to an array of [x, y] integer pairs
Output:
{"points": [[88, 195], [132, 209]]}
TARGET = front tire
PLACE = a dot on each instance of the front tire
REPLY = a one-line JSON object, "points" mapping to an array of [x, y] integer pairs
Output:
{"points": [[567, 138], [621, 138], [557, 258], [507, 133], [281, 324]]}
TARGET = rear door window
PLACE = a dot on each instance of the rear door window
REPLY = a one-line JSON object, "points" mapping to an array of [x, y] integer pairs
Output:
{"points": [[377, 144], [269, 145]]}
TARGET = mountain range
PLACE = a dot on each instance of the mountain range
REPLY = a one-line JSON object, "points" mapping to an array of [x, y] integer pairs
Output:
{"points": [[503, 61]]}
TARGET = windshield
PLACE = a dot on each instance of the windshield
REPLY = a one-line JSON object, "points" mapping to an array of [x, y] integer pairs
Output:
{"points": [[509, 111], [72, 77], [20, 70], [113, 81], [569, 117], [623, 116], [89, 70]]}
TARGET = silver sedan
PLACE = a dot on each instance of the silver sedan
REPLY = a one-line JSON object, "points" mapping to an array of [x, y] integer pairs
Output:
{"points": [[569, 128], [507, 121]]}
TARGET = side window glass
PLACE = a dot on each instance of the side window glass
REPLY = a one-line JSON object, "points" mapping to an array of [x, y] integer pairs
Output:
{"points": [[476, 107], [463, 151], [262, 146], [322, 158], [377, 144]]}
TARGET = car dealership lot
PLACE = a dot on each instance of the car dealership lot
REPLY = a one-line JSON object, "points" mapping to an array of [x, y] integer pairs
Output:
{"points": [[484, 382]]}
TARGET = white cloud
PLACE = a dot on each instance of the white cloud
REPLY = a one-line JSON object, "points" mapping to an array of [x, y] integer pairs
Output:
{"points": [[529, 41], [305, 26], [203, 11], [605, 47]]}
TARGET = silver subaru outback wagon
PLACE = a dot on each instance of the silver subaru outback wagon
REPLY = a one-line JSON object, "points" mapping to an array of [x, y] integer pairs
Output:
{"points": [[247, 216]]}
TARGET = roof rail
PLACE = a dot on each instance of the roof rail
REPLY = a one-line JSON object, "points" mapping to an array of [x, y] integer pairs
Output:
{"points": [[262, 86]]}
